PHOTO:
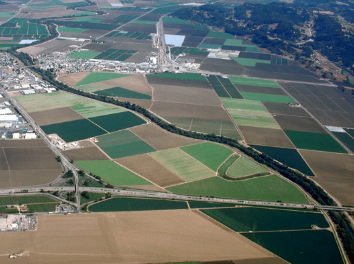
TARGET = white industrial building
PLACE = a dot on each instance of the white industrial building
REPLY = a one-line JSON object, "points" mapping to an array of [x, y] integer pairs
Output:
{"points": [[5, 111], [13, 118], [30, 136]]}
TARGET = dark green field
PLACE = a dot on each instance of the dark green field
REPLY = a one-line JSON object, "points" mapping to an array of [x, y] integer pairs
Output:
{"points": [[118, 121], [346, 139], [314, 141], [121, 92], [196, 204], [290, 157], [132, 204], [350, 131], [300, 247], [258, 219], [25, 199], [74, 130]]}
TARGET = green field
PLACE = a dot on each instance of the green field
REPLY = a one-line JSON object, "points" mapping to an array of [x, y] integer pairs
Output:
{"points": [[210, 154], [111, 172], [182, 76], [244, 167], [94, 77], [173, 20], [88, 19], [237, 43], [74, 130], [254, 82], [249, 113], [45, 207], [273, 98], [91, 108], [71, 30], [259, 219], [25, 199], [118, 121], [314, 141], [346, 139], [300, 247], [132, 204], [143, 22], [350, 131], [209, 46], [222, 35], [182, 164], [121, 92], [290, 157], [224, 167], [85, 54], [249, 62], [7, 14], [122, 144], [196, 204], [93, 197], [269, 188]]}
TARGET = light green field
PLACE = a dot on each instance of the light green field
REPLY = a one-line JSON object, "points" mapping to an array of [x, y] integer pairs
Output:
{"points": [[7, 14], [94, 77], [71, 30], [84, 54], [249, 113], [88, 19], [111, 172], [269, 188], [182, 164], [244, 167], [92, 108], [46, 207], [236, 43], [93, 87], [249, 62], [209, 46], [220, 35], [210, 154], [143, 22], [273, 98], [254, 82]]}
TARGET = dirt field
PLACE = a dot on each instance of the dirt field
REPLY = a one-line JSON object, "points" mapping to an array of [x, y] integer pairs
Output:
{"points": [[26, 162], [73, 79], [136, 83], [285, 109], [150, 169], [334, 172], [128, 237], [87, 153], [159, 139], [265, 137], [55, 116], [50, 46], [305, 124]]}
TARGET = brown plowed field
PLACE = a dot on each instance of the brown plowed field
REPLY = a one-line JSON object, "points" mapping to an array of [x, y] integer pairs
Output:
{"points": [[27, 162], [185, 95], [334, 172], [285, 109], [160, 139], [178, 82], [190, 111], [128, 237], [135, 83], [305, 124], [88, 153], [150, 169], [55, 116], [266, 137], [73, 79]]}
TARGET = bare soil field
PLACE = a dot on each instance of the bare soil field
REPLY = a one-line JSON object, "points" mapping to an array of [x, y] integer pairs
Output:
{"points": [[334, 172], [160, 139], [128, 237], [285, 109], [178, 82], [49, 46], [229, 67], [150, 169], [22, 178], [22, 143], [185, 95], [55, 116], [266, 137], [136, 83], [87, 153], [190, 111], [305, 124], [58, 10], [73, 79]]}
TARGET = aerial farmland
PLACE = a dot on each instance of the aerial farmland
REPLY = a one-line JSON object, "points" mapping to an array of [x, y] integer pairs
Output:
{"points": [[162, 138]]}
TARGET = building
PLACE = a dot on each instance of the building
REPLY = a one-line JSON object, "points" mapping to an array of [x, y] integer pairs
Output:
{"points": [[16, 136], [5, 111], [13, 118], [30, 136]]}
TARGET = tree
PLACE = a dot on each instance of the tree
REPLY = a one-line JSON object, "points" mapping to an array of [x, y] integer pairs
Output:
{"points": [[108, 195], [85, 194], [58, 158]]}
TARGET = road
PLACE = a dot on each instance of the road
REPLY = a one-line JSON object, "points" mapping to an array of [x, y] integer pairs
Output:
{"points": [[65, 162]]}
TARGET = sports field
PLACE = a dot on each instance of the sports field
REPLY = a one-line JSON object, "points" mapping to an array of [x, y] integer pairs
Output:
{"points": [[118, 121], [182, 164], [249, 62], [122, 144], [249, 113], [244, 167], [314, 141], [74, 130], [254, 82], [210, 154], [125, 93], [182, 76], [94, 77], [260, 219], [269, 188], [84, 54], [272, 98], [133, 204], [111, 172]]}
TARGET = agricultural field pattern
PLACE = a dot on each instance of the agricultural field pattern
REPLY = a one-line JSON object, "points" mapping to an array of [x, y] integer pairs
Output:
{"points": [[160, 139]]}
